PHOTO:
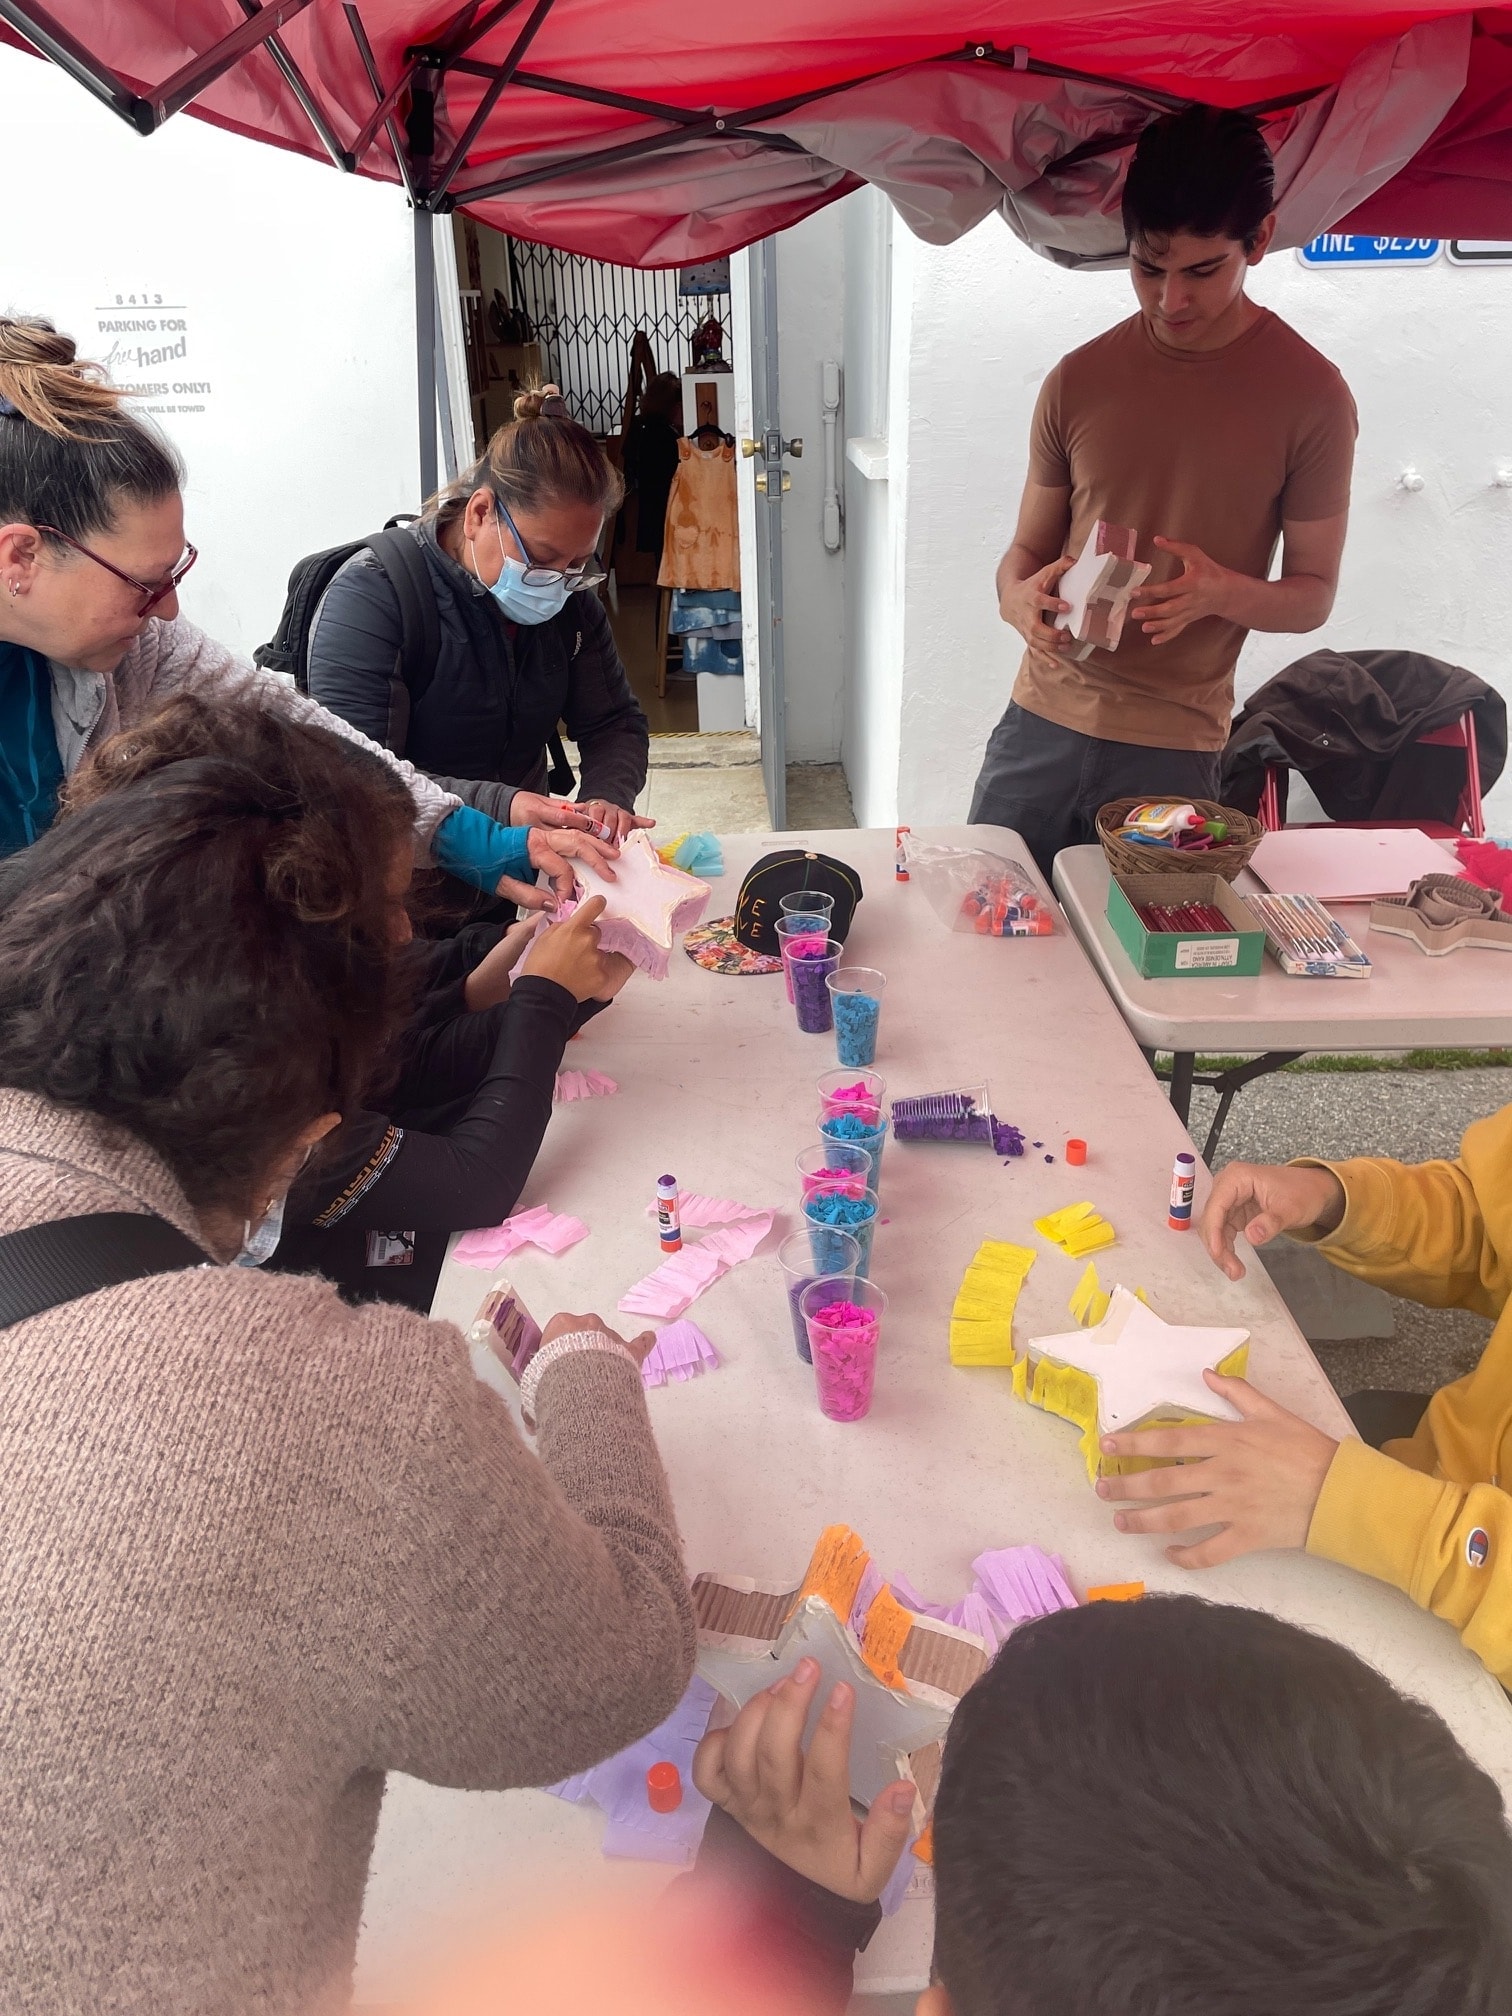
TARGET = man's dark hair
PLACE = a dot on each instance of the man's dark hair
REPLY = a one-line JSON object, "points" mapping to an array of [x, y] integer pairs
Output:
{"points": [[1203, 170], [200, 949], [1177, 1806]]}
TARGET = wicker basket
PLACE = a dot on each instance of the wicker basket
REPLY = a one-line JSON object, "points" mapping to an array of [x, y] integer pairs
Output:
{"points": [[1224, 858]]}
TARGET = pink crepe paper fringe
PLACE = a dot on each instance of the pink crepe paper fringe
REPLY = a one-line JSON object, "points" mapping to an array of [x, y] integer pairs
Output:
{"points": [[670, 1288], [552, 1231], [681, 1352], [584, 1085]]}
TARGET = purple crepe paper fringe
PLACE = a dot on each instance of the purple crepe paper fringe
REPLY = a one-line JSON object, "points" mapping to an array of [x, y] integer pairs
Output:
{"points": [[1012, 1585], [681, 1352]]}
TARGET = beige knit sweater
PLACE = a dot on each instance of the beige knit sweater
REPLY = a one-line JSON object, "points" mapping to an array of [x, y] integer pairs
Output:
{"points": [[256, 1549]]}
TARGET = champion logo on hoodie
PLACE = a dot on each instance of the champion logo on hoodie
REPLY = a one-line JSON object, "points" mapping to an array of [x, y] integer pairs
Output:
{"points": [[1477, 1546]]}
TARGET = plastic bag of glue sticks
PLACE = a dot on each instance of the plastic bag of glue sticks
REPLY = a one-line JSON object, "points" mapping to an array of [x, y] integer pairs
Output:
{"points": [[987, 894]]}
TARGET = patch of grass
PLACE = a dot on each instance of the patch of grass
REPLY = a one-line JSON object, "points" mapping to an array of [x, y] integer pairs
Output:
{"points": [[1406, 1060]]}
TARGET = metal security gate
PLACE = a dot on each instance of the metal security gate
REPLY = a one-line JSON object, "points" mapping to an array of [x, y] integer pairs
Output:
{"points": [[584, 312]]}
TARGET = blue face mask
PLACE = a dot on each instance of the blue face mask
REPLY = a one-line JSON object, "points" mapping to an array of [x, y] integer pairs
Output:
{"points": [[524, 601]]}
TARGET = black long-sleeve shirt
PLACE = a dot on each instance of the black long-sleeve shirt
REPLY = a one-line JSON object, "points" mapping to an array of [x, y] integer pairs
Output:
{"points": [[498, 689], [463, 1126]]}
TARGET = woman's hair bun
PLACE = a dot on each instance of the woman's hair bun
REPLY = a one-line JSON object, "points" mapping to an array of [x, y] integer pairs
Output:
{"points": [[541, 402], [42, 380]]}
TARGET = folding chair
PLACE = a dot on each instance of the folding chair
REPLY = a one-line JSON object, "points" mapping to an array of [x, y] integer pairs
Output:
{"points": [[1469, 818]]}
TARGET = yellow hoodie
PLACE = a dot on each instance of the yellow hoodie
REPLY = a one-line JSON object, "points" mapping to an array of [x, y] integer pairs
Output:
{"points": [[1434, 1515]]}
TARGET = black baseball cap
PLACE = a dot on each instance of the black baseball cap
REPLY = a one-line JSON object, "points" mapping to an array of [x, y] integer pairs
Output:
{"points": [[747, 942]]}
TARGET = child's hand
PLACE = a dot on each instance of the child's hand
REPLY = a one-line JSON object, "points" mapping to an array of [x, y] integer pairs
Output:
{"points": [[798, 1807], [1260, 1200], [488, 983], [569, 954], [1258, 1479]]}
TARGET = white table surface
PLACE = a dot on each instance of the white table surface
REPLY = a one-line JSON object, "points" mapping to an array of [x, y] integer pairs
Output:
{"points": [[1409, 1002], [717, 1085]]}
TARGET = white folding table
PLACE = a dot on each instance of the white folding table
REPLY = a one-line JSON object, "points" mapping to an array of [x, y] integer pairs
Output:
{"points": [[1410, 1002], [717, 1085]]}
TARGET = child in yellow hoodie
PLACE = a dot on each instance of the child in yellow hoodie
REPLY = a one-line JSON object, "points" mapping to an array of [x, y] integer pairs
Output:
{"points": [[1430, 1513]]}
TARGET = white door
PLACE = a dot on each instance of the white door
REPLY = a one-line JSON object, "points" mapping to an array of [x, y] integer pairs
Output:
{"points": [[767, 448]]}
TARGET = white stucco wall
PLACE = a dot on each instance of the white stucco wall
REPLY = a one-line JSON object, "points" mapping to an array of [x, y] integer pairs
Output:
{"points": [[291, 286], [1425, 353]]}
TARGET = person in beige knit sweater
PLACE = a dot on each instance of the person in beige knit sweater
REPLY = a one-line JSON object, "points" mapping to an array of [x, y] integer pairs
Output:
{"points": [[258, 1548]]}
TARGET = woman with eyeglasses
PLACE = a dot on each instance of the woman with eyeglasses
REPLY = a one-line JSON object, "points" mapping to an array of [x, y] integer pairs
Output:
{"points": [[92, 552], [511, 549]]}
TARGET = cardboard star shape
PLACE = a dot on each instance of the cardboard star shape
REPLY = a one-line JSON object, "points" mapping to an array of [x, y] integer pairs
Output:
{"points": [[1099, 586], [1132, 1370], [647, 906]]}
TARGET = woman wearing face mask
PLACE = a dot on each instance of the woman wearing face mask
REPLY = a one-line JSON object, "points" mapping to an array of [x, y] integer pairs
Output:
{"points": [[261, 1547], [92, 552], [511, 549]]}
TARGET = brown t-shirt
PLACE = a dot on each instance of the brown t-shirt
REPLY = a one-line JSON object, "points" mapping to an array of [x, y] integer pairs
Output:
{"points": [[1213, 447]]}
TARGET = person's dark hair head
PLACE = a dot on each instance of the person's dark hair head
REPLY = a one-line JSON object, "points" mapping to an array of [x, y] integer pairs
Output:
{"points": [[540, 458], [70, 453], [663, 397], [200, 948], [1181, 1807], [1204, 170]]}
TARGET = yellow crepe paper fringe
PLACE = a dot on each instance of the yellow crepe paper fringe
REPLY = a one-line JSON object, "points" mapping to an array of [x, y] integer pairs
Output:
{"points": [[1078, 1229], [1067, 1391], [981, 1323]]}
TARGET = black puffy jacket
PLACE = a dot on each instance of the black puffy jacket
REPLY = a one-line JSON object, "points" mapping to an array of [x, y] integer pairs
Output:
{"points": [[498, 690]]}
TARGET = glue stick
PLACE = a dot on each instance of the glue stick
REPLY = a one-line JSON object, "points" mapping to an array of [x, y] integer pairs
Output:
{"points": [[900, 854], [1183, 1184], [668, 1223]]}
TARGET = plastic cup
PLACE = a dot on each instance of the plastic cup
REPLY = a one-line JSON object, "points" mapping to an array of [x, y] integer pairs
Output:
{"points": [[808, 903], [849, 1130], [856, 1006], [834, 1165], [805, 929], [799, 1267], [809, 967], [858, 1092], [828, 1212], [844, 1353]]}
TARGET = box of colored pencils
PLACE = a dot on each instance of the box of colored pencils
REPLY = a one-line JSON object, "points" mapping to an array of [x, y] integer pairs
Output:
{"points": [[1306, 940], [1181, 926]]}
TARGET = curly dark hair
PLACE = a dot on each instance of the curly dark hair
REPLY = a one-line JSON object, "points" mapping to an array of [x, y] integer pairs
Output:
{"points": [[200, 948]]}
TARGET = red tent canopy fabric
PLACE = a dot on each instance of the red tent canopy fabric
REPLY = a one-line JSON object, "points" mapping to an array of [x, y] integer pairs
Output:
{"points": [[656, 132]]}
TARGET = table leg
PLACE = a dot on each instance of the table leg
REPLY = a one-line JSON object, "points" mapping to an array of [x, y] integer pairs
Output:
{"points": [[1181, 1083]]}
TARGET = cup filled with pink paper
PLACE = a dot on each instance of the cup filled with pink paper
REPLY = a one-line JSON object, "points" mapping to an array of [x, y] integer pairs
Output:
{"points": [[800, 1269], [850, 1130], [832, 1165], [809, 966], [858, 1092], [805, 929], [829, 1211], [844, 1321]]}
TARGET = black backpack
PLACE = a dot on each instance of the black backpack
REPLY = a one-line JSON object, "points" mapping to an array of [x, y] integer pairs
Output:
{"points": [[398, 554]]}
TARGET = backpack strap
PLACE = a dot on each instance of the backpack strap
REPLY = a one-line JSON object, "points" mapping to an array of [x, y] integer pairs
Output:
{"points": [[398, 554], [47, 1265]]}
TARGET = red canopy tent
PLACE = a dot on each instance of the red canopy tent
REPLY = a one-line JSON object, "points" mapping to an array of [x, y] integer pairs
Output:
{"points": [[663, 131]]}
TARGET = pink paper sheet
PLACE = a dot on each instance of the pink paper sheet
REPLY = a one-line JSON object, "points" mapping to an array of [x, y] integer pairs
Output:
{"points": [[584, 1085], [551, 1230], [670, 1288], [681, 1352]]}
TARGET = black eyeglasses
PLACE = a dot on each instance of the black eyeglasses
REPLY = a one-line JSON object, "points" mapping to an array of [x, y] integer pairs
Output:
{"points": [[151, 596], [588, 575]]}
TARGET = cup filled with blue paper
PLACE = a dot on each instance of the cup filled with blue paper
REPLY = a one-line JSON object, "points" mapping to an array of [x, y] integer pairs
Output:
{"points": [[834, 1209], [851, 1130], [809, 933], [809, 963], [844, 1321], [856, 1009], [834, 1165], [858, 1092], [800, 1268]]}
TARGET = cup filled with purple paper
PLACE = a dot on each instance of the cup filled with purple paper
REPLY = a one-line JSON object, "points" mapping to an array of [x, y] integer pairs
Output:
{"points": [[809, 932], [809, 963], [834, 1165], [828, 1211], [856, 1009], [858, 1092], [849, 1130], [800, 1268], [844, 1320]]}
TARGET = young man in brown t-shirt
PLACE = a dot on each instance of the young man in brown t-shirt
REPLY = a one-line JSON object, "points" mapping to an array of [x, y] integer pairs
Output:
{"points": [[1214, 430]]}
